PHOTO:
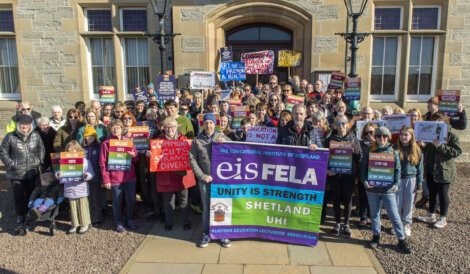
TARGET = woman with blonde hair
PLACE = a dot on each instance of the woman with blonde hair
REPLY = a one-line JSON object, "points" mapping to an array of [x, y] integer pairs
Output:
{"points": [[415, 115], [93, 119]]}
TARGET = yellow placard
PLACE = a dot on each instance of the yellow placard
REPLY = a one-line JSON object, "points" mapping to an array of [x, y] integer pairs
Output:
{"points": [[289, 58]]}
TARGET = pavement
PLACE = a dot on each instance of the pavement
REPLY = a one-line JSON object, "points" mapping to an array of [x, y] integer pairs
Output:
{"points": [[176, 252]]}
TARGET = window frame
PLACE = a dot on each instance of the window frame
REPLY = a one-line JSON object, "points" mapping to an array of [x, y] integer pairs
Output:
{"points": [[439, 15], [128, 93], [87, 23], [12, 35], [90, 66], [388, 7], [121, 19]]}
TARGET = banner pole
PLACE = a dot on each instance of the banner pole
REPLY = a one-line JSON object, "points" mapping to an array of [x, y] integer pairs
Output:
{"points": [[288, 72], [257, 79]]}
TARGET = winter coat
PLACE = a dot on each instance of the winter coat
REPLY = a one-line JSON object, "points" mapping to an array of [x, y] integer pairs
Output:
{"points": [[22, 154], [440, 160], [289, 136], [93, 155], [237, 135], [171, 181], [410, 171], [356, 147], [75, 190], [116, 177], [101, 132], [63, 137], [52, 191], [201, 153], [48, 141]]}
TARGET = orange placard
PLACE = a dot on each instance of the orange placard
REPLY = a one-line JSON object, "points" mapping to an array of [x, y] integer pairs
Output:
{"points": [[169, 155]]}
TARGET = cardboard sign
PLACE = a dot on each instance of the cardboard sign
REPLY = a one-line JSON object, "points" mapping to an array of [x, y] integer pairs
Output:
{"points": [[336, 80], [140, 137], [427, 131], [226, 54], [106, 120], [340, 157], [261, 62], [201, 123], [352, 89], [360, 124], [140, 93], [396, 122], [225, 95], [169, 155], [259, 134], [202, 80], [166, 87], [235, 102], [107, 94], [449, 101], [294, 100], [71, 167], [238, 113], [118, 158], [381, 171], [55, 161], [232, 71], [289, 58]]}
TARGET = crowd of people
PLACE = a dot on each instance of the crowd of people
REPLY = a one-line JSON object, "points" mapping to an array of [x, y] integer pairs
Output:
{"points": [[324, 118]]}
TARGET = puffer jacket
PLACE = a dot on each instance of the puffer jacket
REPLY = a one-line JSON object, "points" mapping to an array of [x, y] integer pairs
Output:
{"points": [[22, 154], [75, 190], [440, 161], [201, 153]]}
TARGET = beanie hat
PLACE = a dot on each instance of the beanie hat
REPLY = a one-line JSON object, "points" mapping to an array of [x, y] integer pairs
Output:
{"points": [[383, 131], [25, 119], [209, 116], [151, 86], [90, 131]]}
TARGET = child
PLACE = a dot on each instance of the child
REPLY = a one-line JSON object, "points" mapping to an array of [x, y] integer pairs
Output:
{"points": [[77, 193], [411, 160], [44, 196]]}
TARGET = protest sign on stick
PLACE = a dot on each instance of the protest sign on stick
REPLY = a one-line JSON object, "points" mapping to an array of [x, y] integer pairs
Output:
{"points": [[202, 80], [336, 80], [238, 113], [232, 71], [140, 94], [226, 54], [71, 167], [352, 89], [107, 94], [261, 62], [118, 158], [428, 131], [169, 155], [166, 87], [293, 100]]}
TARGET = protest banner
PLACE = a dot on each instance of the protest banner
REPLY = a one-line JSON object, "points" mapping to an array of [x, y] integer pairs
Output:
{"points": [[202, 80], [55, 161], [261, 62], [336, 80], [226, 54], [118, 158], [260, 134], [360, 124], [352, 89], [267, 191], [107, 94], [201, 123], [225, 94], [449, 101], [140, 137], [232, 71], [235, 102], [169, 155], [289, 58], [340, 157], [294, 100], [71, 167], [166, 87], [238, 113], [396, 122], [381, 169], [427, 131], [140, 93]]}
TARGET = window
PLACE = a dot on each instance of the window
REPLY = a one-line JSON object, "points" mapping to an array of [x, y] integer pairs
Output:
{"points": [[137, 63], [9, 74], [425, 18], [420, 75], [387, 19], [99, 20], [102, 62], [259, 33], [6, 21], [134, 19], [384, 66]]}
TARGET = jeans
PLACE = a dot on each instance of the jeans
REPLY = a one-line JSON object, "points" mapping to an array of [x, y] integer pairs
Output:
{"points": [[405, 199], [440, 190], [46, 202], [22, 190], [125, 190], [390, 201], [169, 201], [205, 190]]}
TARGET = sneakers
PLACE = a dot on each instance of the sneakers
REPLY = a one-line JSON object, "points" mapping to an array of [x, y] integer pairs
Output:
{"points": [[204, 241], [336, 229], [374, 243], [403, 246], [120, 228], [226, 243], [346, 231], [73, 230], [83, 229], [441, 223], [407, 229], [431, 218], [131, 225]]}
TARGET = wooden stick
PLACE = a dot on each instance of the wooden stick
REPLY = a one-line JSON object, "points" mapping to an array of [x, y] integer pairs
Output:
{"points": [[257, 79], [288, 72]]}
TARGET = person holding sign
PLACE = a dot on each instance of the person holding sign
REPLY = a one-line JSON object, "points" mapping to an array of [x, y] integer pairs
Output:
{"points": [[440, 173], [459, 122], [69, 131], [345, 153], [92, 119], [383, 188], [121, 182]]}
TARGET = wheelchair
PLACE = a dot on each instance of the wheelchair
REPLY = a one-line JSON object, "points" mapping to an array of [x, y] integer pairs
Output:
{"points": [[50, 215]]}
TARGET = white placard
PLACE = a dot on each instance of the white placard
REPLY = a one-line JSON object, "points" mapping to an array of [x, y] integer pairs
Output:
{"points": [[360, 124], [396, 122], [202, 80], [427, 131], [259, 134]]}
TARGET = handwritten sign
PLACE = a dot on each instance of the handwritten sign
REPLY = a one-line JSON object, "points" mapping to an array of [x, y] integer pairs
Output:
{"points": [[140, 93], [352, 89], [226, 54], [289, 58], [381, 169], [261, 62], [166, 87], [169, 155], [294, 100], [340, 157], [71, 167], [427, 131], [259, 134], [396, 122], [118, 158], [238, 113], [449, 101], [202, 80], [232, 71], [107, 94], [336, 80], [140, 137]]}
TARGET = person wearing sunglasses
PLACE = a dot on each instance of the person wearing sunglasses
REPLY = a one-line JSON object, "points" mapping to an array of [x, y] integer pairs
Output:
{"points": [[247, 94], [384, 195], [92, 119], [342, 183], [22, 108], [69, 131]]}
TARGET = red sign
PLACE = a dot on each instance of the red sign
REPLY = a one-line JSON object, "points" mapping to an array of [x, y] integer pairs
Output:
{"points": [[169, 155], [260, 62]]}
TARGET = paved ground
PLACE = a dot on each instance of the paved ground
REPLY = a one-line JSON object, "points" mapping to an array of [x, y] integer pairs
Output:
{"points": [[176, 252]]}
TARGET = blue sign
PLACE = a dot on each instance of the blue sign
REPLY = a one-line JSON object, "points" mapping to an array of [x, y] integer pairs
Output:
{"points": [[226, 55], [140, 93], [232, 71], [166, 87]]}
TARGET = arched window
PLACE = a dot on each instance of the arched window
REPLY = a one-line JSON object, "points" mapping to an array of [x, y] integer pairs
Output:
{"points": [[259, 33]]}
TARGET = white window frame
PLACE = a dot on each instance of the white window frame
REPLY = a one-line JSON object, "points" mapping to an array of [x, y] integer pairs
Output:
{"points": [[388, 7], [121, 19], [394, 97], [86, 18], [90, 65], [17, 95], [439, 14], [127, 93], [425, 97]]}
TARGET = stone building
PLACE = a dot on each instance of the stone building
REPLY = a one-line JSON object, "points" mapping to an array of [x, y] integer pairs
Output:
{"points": [[58, 51]]}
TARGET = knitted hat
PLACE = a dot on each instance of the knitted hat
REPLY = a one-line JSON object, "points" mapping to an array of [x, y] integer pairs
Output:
{"points": [[383, 131], [151, 86], [25, 119], [434, 100], [90, 131], [209, 116]]}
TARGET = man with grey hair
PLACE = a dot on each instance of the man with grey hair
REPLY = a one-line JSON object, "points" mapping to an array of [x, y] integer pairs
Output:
{"points": [[22, 108], [297, 131], [56, 120], [96, 105]]}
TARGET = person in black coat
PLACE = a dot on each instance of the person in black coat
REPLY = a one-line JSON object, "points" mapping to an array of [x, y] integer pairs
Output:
{"points": [[47, 134]]}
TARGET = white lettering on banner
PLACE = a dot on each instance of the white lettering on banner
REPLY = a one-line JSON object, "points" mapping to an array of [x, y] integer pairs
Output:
{"points": [[278, 207]]}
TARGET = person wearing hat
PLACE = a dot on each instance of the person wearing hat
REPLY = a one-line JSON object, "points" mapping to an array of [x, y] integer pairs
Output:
{"points": [[92, 119], [384, 193], [200, 159], [22, 152]]}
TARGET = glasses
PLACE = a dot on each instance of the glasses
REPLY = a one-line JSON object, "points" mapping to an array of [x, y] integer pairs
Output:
{"points": [[338, 124], [286, 90], [274, 100], [170, 127], [127, 118], [381, 136], [119, 111], [370, 132], [23, 109], [183, 109], [73, 117]]}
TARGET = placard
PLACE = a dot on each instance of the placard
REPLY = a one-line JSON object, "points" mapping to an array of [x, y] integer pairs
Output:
{"points": [[360, 124], [341, 157], [118, 158], [140, 137], [169, 155], [396, 122], [71, 167], [166, 87], [261, 62], [200, 118], [381, 169], [277, 194], [140, 93], [238, 113], [449, 101], [336, 80], [260, 134], [352, 89], [107, 94], [289, 58], [202, 80], [427, 131], [232, 71], [294, 100], [225, 95], [226, 54]]}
